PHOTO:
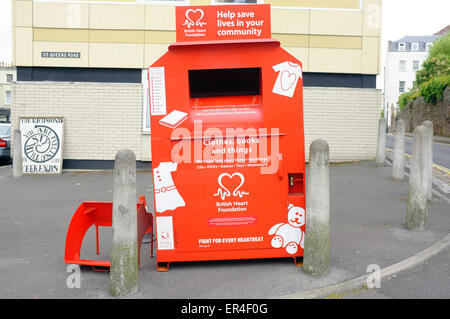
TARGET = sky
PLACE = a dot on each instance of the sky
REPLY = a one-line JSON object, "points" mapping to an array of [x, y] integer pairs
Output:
{"points": [[399, 18]]}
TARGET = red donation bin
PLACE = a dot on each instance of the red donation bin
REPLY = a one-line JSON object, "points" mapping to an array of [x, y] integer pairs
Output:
{"points": [[226, 107]]}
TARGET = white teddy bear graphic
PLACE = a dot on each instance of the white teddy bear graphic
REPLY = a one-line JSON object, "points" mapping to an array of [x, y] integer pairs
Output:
{"points": [[289, 235]]}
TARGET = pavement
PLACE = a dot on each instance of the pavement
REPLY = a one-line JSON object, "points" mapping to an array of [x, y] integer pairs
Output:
{"points": [[366, 220], [428, 281]]}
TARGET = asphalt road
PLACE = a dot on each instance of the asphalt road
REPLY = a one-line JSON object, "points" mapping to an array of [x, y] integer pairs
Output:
{"points": [[441, 152]]}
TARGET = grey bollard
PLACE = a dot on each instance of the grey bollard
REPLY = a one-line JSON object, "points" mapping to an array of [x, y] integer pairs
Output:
{"points": [[124, 251], [316, 259], [17, 154], [417, 205], [398, 162], [429, 126], [381, 146]]}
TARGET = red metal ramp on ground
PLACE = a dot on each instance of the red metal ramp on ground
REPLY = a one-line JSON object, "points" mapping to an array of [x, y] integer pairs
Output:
{"points": [[100, 214]]}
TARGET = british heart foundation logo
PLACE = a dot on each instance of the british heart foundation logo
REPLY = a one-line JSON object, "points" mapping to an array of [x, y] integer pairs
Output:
{"points": [[230, 185], [194, 18]]}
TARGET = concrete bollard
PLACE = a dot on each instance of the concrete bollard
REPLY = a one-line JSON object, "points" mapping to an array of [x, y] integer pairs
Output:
{"points": [[417, 206], [429, 126], [316, 259], [17, 154], [381, 146], [398, 162], [124, 251]]}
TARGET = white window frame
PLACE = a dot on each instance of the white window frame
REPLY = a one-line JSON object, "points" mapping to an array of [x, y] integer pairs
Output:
{"points": [[216, 2], [413, 65], [402, 46], [12, 77], [414, 46], [400, 86], [145, 103], [428, 46], [400, 65], [7, 97]]}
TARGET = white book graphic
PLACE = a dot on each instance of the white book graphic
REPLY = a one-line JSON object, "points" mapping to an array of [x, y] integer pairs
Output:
{"points": [[173, 119]]}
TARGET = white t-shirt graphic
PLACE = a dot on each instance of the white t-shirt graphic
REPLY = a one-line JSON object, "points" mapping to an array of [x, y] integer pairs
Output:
{"points": [[287, 79], [166, 194]]}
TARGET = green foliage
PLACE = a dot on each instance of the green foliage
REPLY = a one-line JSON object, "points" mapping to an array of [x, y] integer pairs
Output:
{"points": [[433, 89], [407, 98], [436, 66], [434, 76], [441, 46], [382, 114]]}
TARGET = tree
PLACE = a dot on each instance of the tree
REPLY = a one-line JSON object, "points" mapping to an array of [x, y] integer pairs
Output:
{"points": [[438, 62], [434, 77]]}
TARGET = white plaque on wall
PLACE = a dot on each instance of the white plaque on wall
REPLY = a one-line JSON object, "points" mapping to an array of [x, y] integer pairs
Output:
{"points": [[42, 144]]}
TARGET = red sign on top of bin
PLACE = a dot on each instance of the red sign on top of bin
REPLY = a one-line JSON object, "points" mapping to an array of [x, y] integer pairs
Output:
{"points": [[218, 23], [226, 104]]}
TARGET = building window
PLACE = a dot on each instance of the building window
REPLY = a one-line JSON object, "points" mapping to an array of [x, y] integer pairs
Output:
{"points": [[402, 65], [415, 65], [428, 46], [401, 86], [186, 1], [9, 78], [401, 46], [8, 98], [415, 46], [236, 1]]}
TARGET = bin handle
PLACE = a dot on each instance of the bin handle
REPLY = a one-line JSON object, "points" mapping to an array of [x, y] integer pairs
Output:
{"points": [[280, 166]]}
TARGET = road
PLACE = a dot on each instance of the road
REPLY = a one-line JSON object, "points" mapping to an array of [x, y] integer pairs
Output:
{"points": [[441, 152]]}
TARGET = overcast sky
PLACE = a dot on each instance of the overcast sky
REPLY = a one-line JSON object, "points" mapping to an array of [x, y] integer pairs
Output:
{"points": [[399, 18]]}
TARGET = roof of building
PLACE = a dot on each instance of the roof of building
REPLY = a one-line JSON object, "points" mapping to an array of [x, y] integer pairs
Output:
{"points": [[418, 38], [443, 31], [5, 64]]}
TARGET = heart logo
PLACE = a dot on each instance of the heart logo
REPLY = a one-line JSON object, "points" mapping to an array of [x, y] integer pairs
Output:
{"points": [[287, 80], [194, 17], [224, 191]]}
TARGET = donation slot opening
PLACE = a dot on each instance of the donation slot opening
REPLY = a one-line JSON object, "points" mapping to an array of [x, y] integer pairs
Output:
{"points": [[224, 82]]}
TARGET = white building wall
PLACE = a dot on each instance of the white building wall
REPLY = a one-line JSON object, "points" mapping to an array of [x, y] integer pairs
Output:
{"points": [[393, 75], [346, 118], [102, 118]]}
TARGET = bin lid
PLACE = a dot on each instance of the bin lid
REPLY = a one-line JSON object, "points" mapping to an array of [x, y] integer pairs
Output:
{"points": [[198, 43]]}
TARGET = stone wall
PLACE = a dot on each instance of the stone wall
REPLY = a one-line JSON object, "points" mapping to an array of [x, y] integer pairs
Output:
{"points": [[418, 111]]}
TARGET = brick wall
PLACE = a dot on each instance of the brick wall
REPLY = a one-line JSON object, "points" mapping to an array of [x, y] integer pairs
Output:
{"points": [[346, 118], [102, 118]]}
